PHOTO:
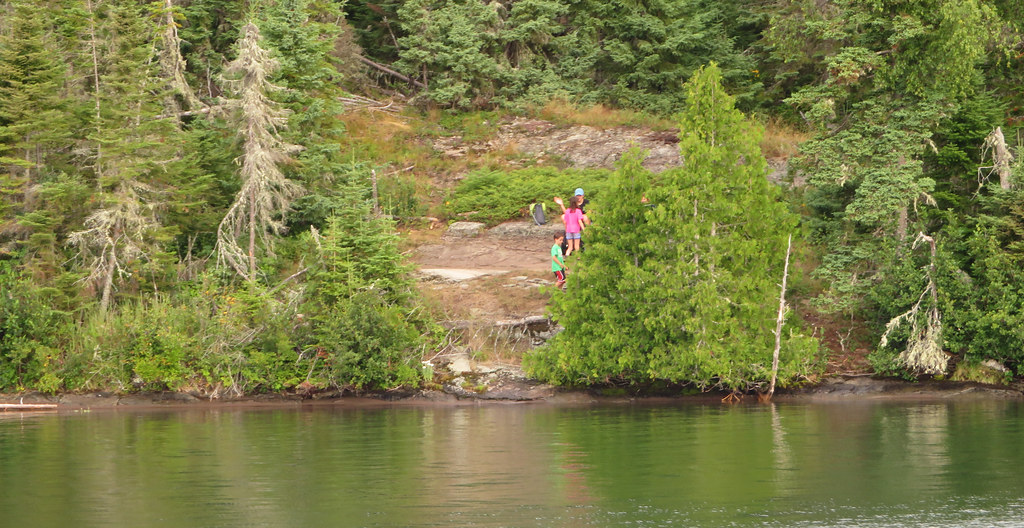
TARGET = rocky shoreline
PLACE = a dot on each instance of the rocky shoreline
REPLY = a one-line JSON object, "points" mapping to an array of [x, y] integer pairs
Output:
{"points": [[507, 384]]}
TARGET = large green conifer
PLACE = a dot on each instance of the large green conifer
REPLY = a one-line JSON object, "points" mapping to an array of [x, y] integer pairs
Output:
{"points": [[684, 290], [130, 149], [32, 124]]}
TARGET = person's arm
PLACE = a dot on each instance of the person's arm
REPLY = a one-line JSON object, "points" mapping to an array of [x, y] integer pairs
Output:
{"points": [[560, 262], [558, 200]]}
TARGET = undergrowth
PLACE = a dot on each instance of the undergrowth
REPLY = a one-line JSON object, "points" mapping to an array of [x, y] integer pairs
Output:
{"points": [[493, 197]]}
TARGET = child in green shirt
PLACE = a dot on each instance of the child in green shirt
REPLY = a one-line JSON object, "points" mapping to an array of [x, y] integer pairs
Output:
{"points": [[557, 261]]}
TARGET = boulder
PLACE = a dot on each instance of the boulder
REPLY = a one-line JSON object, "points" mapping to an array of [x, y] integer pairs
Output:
{"points": [[465, 229]]}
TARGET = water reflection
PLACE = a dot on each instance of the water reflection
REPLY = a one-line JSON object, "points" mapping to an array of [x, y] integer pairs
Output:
{"points": [[856, 464]]}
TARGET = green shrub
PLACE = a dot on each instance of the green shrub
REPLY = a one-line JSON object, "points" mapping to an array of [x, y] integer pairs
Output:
{"points": [[365, 323], [30, 332], [494, 197], [398, 195]]}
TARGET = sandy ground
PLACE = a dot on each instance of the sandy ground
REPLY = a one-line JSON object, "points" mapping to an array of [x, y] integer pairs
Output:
{"points": [[486, 253], [487, 278]]}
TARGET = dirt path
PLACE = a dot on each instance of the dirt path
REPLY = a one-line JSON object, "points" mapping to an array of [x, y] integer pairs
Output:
{"points": [[482, 278], [511, 246]]}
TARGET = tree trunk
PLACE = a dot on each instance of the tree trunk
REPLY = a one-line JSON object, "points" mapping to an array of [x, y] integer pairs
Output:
{"points": [[252, 234], [173, 64], [901, 224], [108, 281], [376, 201], [1002, 157], [779, 321], [392, 72], [96, 81]]}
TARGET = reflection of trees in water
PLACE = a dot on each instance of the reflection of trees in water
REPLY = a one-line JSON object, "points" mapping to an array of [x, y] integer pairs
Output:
{"points": [[927, 433], [480, 460]]}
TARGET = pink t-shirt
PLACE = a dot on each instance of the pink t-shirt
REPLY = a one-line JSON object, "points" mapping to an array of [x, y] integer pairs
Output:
{"points": [[572, 220]]}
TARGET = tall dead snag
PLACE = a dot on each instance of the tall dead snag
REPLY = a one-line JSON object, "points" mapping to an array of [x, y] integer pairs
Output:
{"points": [[266, 194], [924, 346], [116, 235], [172, 64], [779, 320], [1002, 159]]}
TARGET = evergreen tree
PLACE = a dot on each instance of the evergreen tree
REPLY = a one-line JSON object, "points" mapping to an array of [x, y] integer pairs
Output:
{"points": [[32, 124], [131, 149], [449, 47], [362, 302], [893, 72], [638, 55], [686, 296]]}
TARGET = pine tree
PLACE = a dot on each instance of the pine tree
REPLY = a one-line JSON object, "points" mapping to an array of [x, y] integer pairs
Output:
{"points": [[131, 149], [361, 301], [266, 194], [32, 124], [687, 294], [449, 48]]}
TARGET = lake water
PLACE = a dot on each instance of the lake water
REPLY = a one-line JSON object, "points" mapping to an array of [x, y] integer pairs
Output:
{"points": [[533, 465]]}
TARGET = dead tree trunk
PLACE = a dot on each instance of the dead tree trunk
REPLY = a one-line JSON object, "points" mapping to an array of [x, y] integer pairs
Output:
{"points": [[172, 64], [779, 320], [108, 280], [1002, 157]]}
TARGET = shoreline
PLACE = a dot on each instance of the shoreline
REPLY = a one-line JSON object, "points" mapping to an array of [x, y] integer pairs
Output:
{"points": [[843, 389]]}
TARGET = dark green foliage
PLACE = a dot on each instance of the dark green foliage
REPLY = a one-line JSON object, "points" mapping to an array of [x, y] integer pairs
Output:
{"points": [[449, 46], [494, 197], [639, 55], [30, 350], [682, 290], [463, 54], [982, 287], [901, 96], [365, 324]]}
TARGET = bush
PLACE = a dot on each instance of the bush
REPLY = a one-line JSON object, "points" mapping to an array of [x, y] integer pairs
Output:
{"points": [[30, 334], [494, 197], [365, 323]]}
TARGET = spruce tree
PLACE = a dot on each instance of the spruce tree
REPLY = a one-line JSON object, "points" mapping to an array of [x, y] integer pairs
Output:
{"points": [[32, 124], [361, 300], [131, 149], [449, 47], [683, 290]]}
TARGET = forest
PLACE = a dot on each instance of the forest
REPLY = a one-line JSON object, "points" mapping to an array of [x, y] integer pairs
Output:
{"points": [[184, 204]]}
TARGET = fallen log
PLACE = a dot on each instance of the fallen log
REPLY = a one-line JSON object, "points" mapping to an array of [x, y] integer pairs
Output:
{"points": [[28, 406]]}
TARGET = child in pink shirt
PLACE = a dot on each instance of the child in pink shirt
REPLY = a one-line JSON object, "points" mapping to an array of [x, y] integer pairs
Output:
{"points": [[574, 221]]}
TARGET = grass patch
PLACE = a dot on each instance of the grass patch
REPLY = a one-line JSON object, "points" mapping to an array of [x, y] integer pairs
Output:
{"points": [[781, 139], [976, 372]]}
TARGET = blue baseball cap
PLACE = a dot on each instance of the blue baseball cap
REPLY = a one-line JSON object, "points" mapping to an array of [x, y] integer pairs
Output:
{"points": [[579, 192]]}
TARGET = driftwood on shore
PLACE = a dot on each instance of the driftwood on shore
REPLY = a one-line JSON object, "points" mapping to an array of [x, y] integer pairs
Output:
{"points": [[28, 406]]}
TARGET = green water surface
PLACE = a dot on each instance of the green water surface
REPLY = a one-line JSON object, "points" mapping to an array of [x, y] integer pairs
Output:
{"points": [[827, 465]]}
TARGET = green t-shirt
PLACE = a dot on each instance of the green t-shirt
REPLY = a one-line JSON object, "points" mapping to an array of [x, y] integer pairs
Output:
{"points": [[556, 253]]}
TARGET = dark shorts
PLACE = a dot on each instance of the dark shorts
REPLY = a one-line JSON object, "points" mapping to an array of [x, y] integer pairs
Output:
{"points": [[560, 275]]}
